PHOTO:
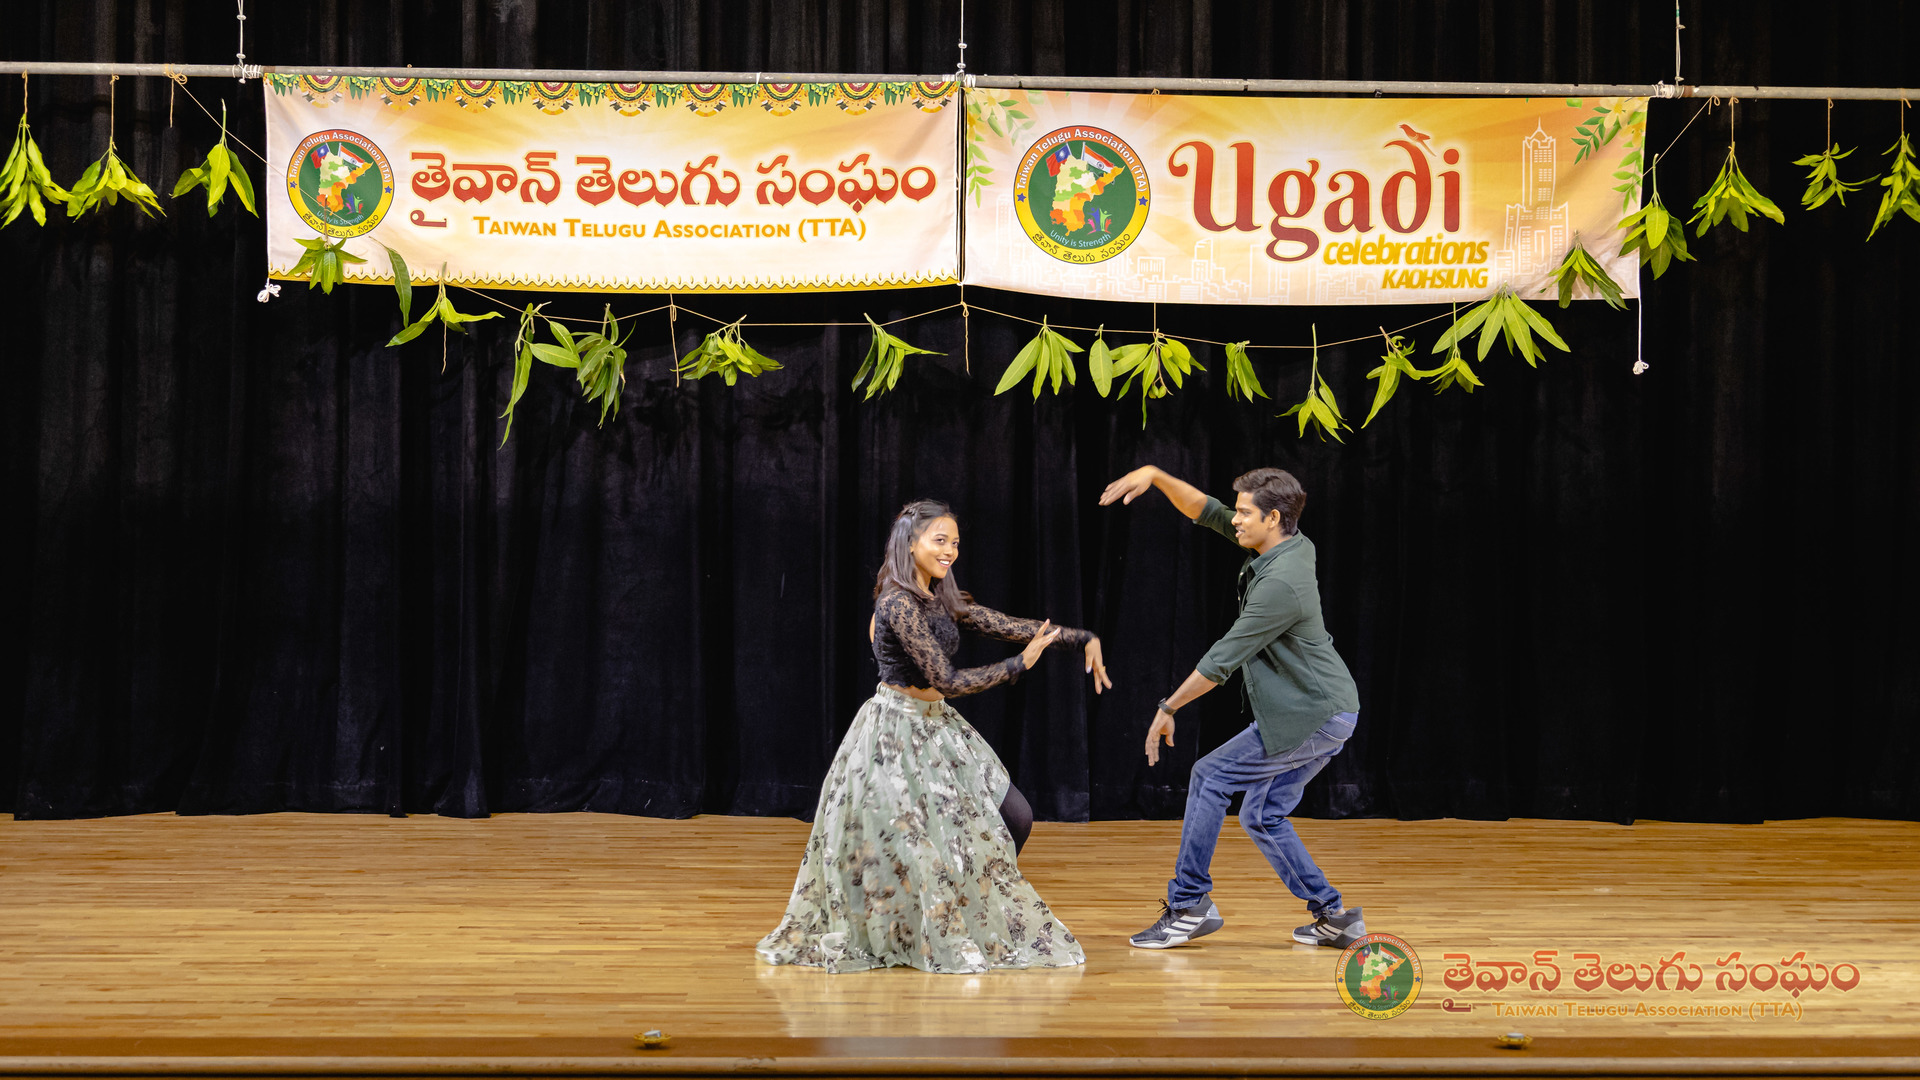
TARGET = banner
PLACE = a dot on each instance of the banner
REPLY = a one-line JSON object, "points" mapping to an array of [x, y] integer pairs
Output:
{"points": [[1207, 200], [617, 187]]}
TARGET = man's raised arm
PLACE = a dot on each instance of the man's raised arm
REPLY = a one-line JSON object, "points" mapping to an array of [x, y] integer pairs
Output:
{"points": [[1185, 498]]}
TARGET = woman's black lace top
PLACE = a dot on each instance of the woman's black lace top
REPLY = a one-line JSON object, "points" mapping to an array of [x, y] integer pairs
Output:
{"points": [[915, 641]]}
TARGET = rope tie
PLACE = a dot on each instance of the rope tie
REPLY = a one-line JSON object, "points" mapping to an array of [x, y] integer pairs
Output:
{"points": [[175, 80], [673, 337], [240, 56], [966, 331]]}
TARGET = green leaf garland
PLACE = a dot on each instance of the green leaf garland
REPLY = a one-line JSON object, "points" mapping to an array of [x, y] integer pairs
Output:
{"points": [[1823, 178], [885, 360], [1653, 232], [1048, 357], [105, 183], [1903, 186], [1454, 372], [522, 361], [25, 183], [442, 309], [1319, 409], [602, 362], [1731, 197], [726, 354], [325, 265], [1580, 268], [1151, 364], [221, 171], [598, 359], [1395, 363], [1504, 315], [1241, 381]]}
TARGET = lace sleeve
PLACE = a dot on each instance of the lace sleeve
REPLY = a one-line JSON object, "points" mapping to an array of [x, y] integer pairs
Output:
{"points": [[990, 623], [910, 624]]}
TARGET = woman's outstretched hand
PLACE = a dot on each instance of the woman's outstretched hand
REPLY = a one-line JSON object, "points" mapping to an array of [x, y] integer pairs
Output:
{"points": [[1097, 667], [1047, 634], [1129, 487]]}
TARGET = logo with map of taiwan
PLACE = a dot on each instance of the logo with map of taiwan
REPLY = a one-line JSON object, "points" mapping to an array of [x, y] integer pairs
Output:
{"points": [[1378, 976], [1081, 194], [340, 183]]}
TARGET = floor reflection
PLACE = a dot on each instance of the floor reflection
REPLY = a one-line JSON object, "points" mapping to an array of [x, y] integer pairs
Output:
{"points": [[903, 1001]]}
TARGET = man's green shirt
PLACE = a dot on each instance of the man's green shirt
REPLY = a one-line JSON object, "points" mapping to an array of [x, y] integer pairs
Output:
{"points": [[1279, 644]]}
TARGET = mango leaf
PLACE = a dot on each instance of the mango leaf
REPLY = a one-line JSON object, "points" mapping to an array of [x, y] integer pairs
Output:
{"points": [[1395, 363], [1316, 411], [1454, 372], [324, 265], [1580, 268], [885, 359], [1654, 233], [1024, 362], [602, 368], [105, 183], [402, 284], [1903, 187], [1731, 197], [442, 309], [25, 183], [522, 362], [1319, 409], [1241, 381], [1047, 358], [221, 170], [1504, 316], [1823, 178], [1100, 363], [1151, 364], [725, 353]]}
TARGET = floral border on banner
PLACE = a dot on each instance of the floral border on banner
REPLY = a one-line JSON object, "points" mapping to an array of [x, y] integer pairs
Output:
{"points": [[628, 99]]}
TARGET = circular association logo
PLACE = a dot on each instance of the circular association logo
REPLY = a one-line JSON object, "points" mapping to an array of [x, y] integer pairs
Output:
{"points": [[1378, 976], [340, 183], [1081, 194]]}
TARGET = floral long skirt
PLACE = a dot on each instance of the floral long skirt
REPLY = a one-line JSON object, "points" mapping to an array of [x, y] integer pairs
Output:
{"points": [[909, 861]]}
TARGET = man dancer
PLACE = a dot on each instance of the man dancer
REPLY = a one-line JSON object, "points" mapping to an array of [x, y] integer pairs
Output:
{"points": [[1304, 707]]}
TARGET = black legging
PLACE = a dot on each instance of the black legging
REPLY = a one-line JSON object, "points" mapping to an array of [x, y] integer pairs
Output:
{"points": [[1018, 816]]}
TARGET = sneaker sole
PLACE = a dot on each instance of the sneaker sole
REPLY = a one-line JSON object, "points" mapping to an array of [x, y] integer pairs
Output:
{"points": [[1333, 943], [1171, 942]]}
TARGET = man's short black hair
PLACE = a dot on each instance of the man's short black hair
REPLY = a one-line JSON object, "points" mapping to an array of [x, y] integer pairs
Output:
{"points": [[1275, 489]]}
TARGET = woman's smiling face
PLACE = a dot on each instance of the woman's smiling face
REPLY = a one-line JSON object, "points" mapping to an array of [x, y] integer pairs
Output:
{"points": [[935, 550]]}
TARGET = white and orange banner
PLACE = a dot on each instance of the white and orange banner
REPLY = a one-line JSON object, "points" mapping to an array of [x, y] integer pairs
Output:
{"points": [[617, 187], [1207, 200]]}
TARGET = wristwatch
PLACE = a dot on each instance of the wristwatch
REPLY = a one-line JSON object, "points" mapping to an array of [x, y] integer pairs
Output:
{"points": [[1164, 707]]}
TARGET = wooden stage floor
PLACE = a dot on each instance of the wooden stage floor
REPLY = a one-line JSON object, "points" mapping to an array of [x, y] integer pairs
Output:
{"points": [[331, 938]]}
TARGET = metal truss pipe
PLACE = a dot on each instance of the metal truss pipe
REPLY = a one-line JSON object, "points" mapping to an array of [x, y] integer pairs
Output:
{"points": [[1377, 88]]}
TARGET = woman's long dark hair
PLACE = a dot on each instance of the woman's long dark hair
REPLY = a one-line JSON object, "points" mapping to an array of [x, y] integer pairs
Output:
{"points": [[896, 563]]}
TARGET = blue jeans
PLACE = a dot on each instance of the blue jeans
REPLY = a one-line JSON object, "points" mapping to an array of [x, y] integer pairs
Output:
{"points": [[1273, 783]]}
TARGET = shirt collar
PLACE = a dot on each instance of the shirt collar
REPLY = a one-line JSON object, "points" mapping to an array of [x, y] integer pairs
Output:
{"points": [[1260, 562]]}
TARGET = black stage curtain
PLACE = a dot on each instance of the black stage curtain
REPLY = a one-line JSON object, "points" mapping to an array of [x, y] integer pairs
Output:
{"points": [[256, 561]]}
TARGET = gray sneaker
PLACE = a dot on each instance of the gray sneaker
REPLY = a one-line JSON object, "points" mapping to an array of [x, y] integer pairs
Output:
{"points": [[1337, 931], [1179, 927]]}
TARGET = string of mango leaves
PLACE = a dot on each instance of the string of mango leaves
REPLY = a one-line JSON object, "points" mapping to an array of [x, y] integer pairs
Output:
{"points": [[1653, 233]]}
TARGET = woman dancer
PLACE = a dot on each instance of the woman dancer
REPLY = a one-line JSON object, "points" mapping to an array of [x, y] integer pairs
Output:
{"points": [[912, 856]]}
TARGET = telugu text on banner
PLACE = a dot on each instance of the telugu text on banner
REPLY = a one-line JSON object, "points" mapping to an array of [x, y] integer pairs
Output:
{"points": [[1207, 200], [617, 187]]}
